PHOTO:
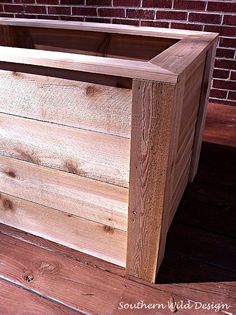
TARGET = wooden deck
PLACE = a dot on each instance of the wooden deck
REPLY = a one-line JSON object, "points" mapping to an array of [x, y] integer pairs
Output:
{"points": [[41, 277]]}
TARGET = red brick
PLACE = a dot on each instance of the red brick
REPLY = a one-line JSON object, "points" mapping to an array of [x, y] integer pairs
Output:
{"points": [[59, 10], [189, 5], [97, 20], [232, 95], [185, 26], [230, 20], [205, 18], [221, 6], [233, 75], [221, 29], [72, 2], [35, 9], [228, 42], [48, 17], [218, 93], [111, 12], [71, 18], [47, 1], [24, 1], [5, 1], [126, 3], [126, 21], [226, 85], [99, 2], [84, 11], [225, 64], [171, 15], [157, 3], [221, 74], [14, 8], [155, 24], [225, 53], [140, 14]]}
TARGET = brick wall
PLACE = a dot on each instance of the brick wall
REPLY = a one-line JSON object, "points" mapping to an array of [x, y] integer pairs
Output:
{"points": [[216, 16]]}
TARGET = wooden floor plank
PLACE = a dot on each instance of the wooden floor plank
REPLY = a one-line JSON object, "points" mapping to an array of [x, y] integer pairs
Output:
{"points": [[91, 291], [17, 301], [221, 125]]}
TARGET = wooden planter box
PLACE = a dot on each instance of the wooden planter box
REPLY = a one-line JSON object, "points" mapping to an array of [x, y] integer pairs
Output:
{"points": [[100, 132]]}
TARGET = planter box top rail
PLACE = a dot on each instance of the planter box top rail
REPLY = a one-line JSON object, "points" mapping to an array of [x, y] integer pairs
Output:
{"points": [[176, 49]]}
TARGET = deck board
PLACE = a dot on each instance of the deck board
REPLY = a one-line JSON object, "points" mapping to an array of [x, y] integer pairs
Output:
{"points": [[26, 302]]}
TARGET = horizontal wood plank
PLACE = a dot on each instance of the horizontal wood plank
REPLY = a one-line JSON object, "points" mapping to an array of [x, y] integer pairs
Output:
{"points": [[84, 105], [86, 236], [86, 153], [104, 27], [15, 300], [101, 44], [85, 198], [221, 125], [62, 250], [91, 291], [83, 63]]}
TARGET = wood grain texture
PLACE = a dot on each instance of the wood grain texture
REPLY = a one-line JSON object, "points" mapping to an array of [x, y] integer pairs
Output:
{"points": [[86, 236], [206, 86], [153, 146], [86, 153], [83, 63], [101, 44], [192, 91], [56, 248], [220, 125], [69, 281], [189, 113], [7, 36], [78, 104], [106, 28], [184, 55], [85, 198], [15, 300]]}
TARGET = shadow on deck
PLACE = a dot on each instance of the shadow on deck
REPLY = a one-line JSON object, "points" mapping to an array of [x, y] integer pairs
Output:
{"points": [[201, 241]]}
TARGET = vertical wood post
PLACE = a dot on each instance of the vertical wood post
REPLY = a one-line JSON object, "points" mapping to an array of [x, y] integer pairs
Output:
{"points": [[204, 98], [155, 126]]}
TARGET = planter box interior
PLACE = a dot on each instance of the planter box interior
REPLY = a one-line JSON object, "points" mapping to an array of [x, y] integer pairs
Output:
{"points": [[100, 132]]}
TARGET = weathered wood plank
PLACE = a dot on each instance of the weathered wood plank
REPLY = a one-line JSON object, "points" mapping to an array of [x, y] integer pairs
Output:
{"points": [[78, 104], [155, 124], [221, 125], [86, 198], [15, 300], [86, 153], [101, 293], [86, 236]]}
